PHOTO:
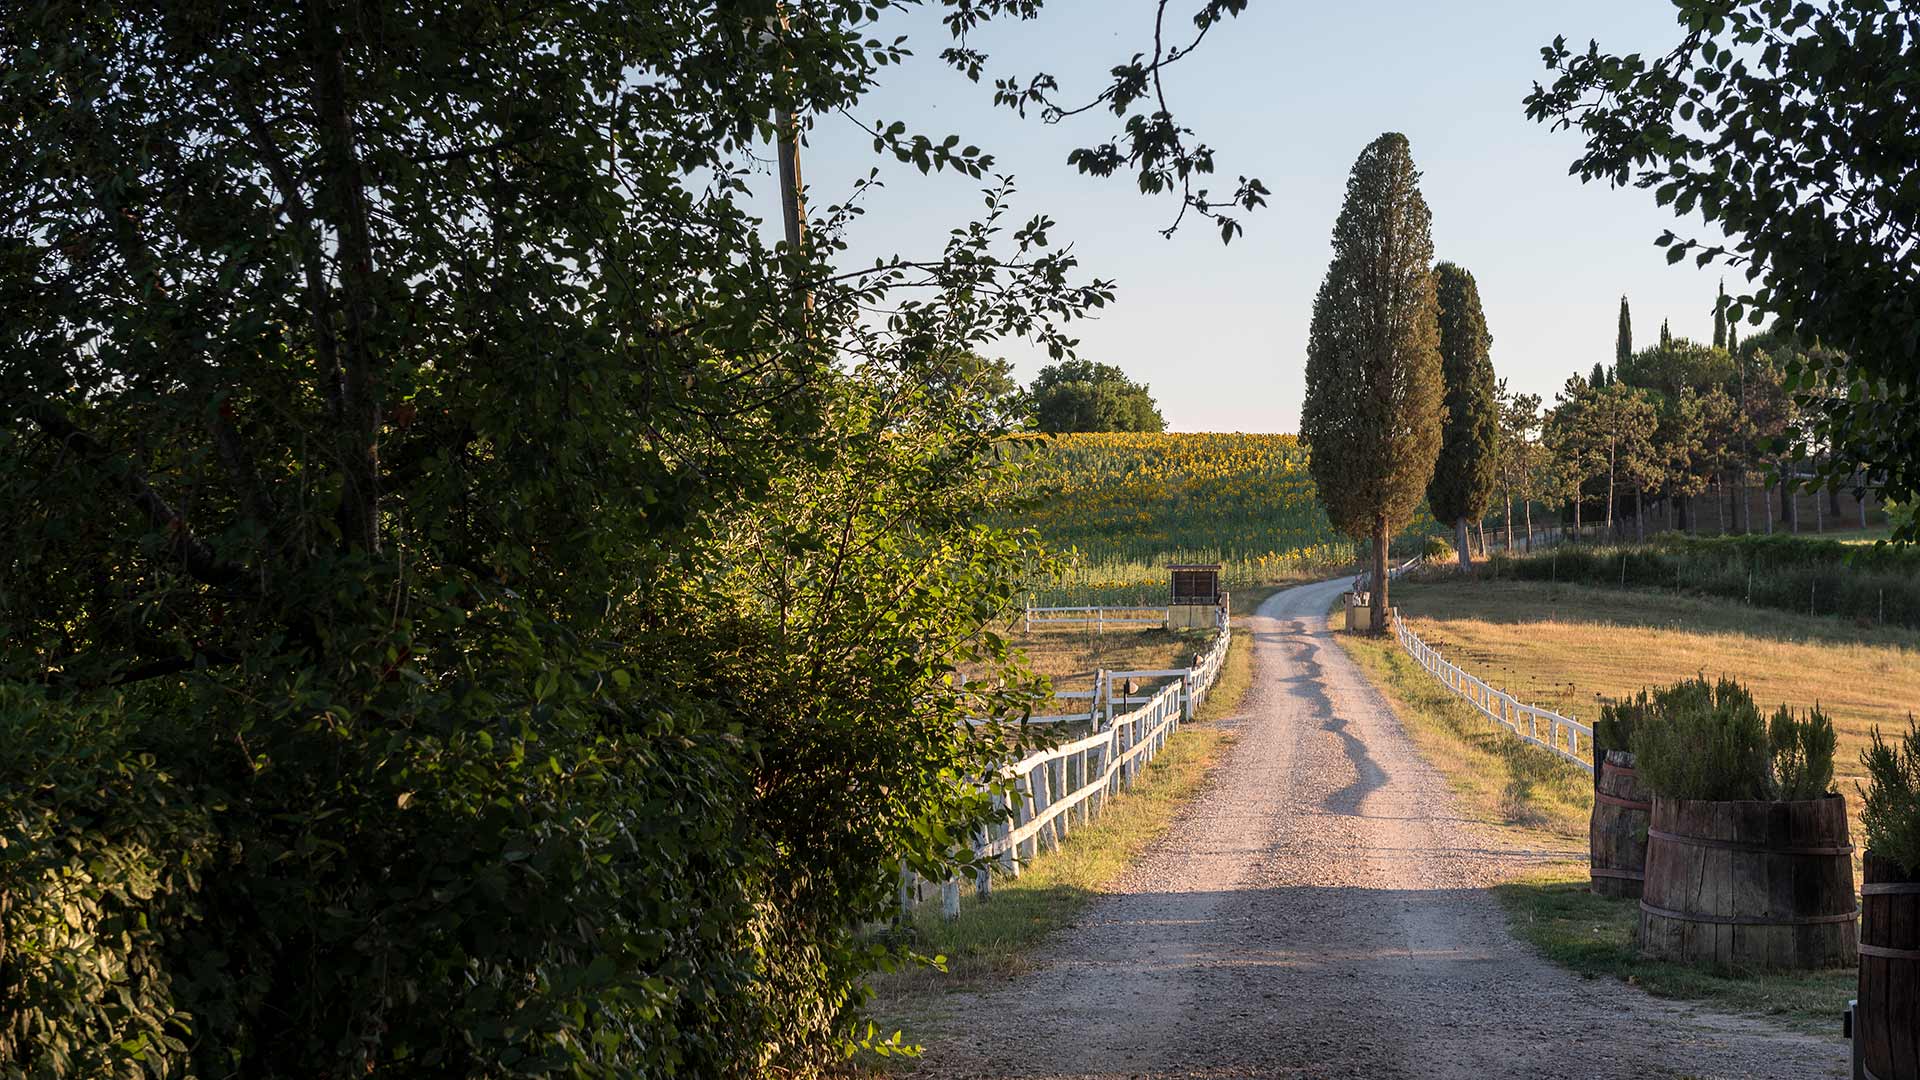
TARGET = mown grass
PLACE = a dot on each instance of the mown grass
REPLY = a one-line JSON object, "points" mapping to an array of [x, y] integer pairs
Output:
{"points": [[1564, 647], [1593, 935]]}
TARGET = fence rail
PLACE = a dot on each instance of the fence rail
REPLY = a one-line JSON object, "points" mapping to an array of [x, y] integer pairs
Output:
{"points": [[1101, 617], [1563, 733], [1056, 789]]}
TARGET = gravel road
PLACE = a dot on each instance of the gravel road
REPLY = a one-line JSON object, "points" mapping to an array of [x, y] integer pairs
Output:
{"points": [[1320, 912]]}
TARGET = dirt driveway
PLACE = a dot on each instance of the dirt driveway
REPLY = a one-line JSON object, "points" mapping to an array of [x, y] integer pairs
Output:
{"points": [[1320, 912]]}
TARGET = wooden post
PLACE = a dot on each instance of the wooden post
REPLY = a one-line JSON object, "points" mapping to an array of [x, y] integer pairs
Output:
{"points": [[950, 899]]}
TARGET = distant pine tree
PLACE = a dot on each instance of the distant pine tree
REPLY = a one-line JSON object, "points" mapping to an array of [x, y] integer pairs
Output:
{"points": [[1623, 338], [1371, 418], [1720, 317], [1464, 473], [1666, 335], [1599, 377]]}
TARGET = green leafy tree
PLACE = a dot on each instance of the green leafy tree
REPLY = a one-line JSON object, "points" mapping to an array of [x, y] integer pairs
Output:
{"points": [[1467, 469], [463, 606], [1372, 414], [1771, 120], [1521, 456], [1603, 432], [1623, 337], [1079, 395]]}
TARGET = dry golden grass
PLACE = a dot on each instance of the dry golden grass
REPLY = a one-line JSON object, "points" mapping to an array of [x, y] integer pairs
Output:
{"points": [[1562, 647]]}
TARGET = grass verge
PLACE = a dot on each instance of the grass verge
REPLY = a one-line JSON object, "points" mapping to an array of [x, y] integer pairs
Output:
{"points": [[1499, 778], [1593, 935], [993, 939]]}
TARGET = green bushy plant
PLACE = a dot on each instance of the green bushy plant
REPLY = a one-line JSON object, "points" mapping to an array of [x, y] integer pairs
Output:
{"points": [[1802, 753], [1709, 741], [1704, 741], [1618, 721], [1436, 550], [1890, 811]]}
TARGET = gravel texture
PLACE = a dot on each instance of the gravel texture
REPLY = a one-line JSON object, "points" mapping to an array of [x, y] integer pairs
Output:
{"points": [[1320, 911]]}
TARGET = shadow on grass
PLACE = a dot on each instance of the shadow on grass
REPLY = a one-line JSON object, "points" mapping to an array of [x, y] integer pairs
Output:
{"points": [[1593, 935]]}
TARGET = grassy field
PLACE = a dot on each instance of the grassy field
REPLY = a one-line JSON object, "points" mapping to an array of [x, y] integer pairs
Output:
{"points": [[1118, 507], [1566, 646], [1560, 646]]}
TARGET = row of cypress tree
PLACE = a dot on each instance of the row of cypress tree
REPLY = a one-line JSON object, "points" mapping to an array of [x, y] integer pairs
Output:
{"points": [[1401, 397]]}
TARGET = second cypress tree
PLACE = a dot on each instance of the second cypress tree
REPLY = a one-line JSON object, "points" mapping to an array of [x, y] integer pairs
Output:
{"points": [[1464, 474]]}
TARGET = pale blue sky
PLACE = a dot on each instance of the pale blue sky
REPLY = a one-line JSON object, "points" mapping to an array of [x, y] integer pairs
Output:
{"points": [[1290, 92]]}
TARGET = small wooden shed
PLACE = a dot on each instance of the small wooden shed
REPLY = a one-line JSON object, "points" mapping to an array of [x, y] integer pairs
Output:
{"points": [[1195, 598]]}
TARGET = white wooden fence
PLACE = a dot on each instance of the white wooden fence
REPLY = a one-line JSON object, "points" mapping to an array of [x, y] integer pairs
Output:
{"points": [[1563, 733], [1100, 617], [1057, 789]]}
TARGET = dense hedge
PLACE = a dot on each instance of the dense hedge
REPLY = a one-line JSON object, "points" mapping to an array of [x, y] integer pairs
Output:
{"points": [[1823, 577]]}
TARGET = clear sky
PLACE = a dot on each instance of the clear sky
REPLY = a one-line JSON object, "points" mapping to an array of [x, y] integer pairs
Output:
{"points": [[1290, 92]]}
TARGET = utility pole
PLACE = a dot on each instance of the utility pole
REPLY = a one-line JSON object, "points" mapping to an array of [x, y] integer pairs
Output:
{"points": [[793, 206]]}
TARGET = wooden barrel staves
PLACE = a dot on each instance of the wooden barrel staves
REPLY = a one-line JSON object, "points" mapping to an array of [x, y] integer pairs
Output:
{"points": [[1745, 885], [1617, 835], [1886, 1022]]}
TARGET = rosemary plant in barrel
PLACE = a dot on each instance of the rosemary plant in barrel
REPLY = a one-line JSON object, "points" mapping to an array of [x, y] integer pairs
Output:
{"points": [[1617, 834], [1888, 1010], [1749, 863]]}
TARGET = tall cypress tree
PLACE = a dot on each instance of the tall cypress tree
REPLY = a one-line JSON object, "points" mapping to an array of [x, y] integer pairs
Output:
{"points": [[1464, 473], [1371, 418], [1623, 338], [1720, 317], [1666, 335]]}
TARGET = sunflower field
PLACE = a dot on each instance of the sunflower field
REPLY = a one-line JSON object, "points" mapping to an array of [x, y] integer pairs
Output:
{"points": [[1116, 507]]}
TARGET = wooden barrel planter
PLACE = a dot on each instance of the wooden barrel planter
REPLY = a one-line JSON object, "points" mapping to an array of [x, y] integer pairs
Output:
{"points": [[1617, 835], [1886, 1022], [1745, 885]]}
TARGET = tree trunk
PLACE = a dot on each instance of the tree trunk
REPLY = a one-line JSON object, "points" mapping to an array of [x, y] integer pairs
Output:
{"points": [[1461, 540], [1612, 474], [1766, 503], [1746, 506], [1379, 599], [1529, 511], [1509, 524], [1639, 515], [1480, 530], [1576, 514], [1683, 513]]}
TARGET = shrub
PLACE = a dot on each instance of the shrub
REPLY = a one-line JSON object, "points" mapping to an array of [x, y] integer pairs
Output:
{"points": [[1890, 813], [1437, 550], [1701, 740], [1618, 721], [1802, 754], [1704, 741]]}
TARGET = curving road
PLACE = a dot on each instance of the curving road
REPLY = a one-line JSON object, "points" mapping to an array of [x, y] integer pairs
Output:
{"points": [[1320, 912]]}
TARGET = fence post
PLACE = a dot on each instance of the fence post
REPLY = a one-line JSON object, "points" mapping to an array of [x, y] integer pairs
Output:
{"points": [[950, 899]]}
